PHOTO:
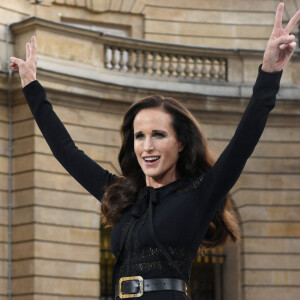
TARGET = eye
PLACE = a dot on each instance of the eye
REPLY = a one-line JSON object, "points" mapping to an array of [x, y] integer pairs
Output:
{"points": [[138, 136], [159, 135]]}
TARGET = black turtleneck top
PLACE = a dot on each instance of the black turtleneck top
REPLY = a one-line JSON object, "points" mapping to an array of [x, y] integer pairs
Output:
{"points": [[158, 237]]}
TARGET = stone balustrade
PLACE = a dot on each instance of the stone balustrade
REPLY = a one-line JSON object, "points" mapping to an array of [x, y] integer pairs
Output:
{"points": [[162, 63], [128, 55]]}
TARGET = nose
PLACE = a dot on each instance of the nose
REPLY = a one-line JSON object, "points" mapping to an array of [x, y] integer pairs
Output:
{"points": [[148, 144]]}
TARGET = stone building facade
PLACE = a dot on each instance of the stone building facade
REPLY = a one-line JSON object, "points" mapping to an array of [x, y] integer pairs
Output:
{"points": [[95, 58]]}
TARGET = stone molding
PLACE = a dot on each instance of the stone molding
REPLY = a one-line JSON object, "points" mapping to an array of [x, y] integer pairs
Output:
{"points": [[69, 50]]}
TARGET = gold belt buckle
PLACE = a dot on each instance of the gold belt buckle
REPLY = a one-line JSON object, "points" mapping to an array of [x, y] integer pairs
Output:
{"points": [[141, 286]]}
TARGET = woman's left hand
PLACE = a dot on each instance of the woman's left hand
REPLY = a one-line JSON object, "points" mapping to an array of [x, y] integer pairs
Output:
{"points": [[281, 44]]}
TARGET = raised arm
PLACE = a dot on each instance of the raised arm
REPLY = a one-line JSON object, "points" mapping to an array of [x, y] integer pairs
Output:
{"points": [[227, 169], [281, 45], [87, 172]]}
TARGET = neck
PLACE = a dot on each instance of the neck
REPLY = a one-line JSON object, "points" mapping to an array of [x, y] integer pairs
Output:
{"points": [[159, 182]]}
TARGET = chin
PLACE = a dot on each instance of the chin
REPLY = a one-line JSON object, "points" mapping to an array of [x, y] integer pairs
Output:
{"points": [[153, 175]]}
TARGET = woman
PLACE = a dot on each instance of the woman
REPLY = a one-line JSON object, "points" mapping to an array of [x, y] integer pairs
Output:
{"points": [[171, 197]]}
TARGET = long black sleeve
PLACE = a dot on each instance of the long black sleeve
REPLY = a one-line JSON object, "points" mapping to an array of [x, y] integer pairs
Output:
{"points": [[87, 172], [227, 169]]}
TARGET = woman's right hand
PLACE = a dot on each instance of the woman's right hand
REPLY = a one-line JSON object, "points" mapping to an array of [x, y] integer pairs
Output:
{"points": [[27, 68]]}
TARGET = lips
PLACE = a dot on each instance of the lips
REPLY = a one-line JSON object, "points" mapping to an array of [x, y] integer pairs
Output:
{"points": [[151, 160]]}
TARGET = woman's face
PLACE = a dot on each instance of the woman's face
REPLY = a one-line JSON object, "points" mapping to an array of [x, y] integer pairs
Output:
{"points": [[156, 146]]}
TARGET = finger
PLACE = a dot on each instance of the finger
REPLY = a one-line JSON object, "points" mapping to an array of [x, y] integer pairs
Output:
{"points": [[286, 39], [278, 16], [14, 67], [33, 47], [292, 46], [283, 46], [293, 21], [28, 51], [16, 61]]}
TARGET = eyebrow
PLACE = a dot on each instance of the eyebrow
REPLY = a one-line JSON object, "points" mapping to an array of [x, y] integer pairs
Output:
{"points": [[153, 131], [159, 131]]}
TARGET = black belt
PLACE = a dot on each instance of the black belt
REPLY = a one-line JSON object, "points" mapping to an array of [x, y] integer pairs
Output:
{"points": [[135, 286]]}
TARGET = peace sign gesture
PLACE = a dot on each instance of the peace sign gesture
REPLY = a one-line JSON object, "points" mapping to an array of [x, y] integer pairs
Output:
{"points": [[281, 44], [27, 68]]}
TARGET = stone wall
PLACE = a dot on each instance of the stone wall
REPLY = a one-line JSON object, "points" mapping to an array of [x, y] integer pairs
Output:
{"points": [[4, 161], [56, 222], [226, 24], [267, 200]]}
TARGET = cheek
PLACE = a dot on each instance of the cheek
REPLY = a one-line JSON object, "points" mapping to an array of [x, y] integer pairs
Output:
{"points": [[175, 157], [172, 148], [171, 153]]}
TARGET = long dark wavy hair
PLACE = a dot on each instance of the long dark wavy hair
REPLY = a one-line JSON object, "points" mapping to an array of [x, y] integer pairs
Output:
{"points": [[195, 160]]}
